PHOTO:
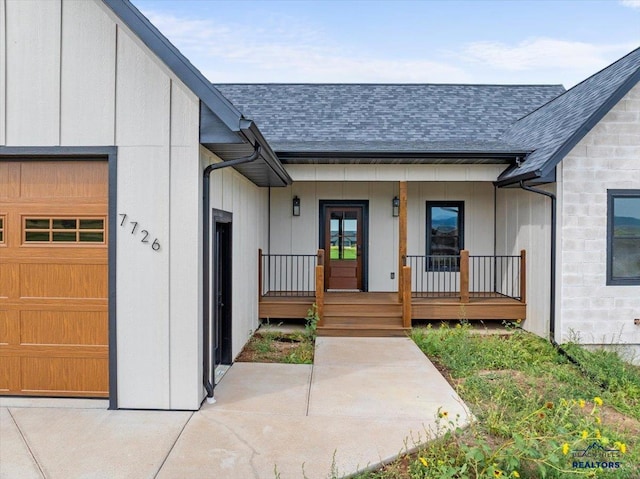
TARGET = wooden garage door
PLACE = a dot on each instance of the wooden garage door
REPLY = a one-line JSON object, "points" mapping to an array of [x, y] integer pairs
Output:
{"points": [[53, 278]]}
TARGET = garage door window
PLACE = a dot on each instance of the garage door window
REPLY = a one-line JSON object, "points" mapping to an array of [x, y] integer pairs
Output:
{"points": [[1, 229], [64, 230]]}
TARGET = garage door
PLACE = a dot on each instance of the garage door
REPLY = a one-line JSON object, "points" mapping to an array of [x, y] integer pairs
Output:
{"points": [[53, 278]]}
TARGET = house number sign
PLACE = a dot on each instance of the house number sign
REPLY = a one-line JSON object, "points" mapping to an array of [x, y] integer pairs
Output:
{"points": [[133, 229]]}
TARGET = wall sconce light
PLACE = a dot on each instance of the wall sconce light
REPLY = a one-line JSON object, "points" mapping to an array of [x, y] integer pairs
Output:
{"points": [[396, 206], [296, 206]]}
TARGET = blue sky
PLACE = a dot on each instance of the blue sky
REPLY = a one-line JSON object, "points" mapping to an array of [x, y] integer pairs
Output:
{"points": [[399, 41]]}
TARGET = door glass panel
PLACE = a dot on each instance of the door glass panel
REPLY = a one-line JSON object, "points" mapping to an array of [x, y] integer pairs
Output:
{"points": [[344, 235], [335, 223]]}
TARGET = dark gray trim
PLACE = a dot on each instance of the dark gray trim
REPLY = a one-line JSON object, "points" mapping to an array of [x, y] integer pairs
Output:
{"points": [[579, 133], [364, 204], [611, 195], [439, 203], [177, 62], [240, 129], [302, 157], [100, 153]]}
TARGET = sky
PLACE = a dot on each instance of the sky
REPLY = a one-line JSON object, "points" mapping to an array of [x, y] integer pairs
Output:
{"points": [[350, 41]]}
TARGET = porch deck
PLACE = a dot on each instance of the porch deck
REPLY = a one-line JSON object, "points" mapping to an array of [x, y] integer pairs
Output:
{"points": [[380, 314]]}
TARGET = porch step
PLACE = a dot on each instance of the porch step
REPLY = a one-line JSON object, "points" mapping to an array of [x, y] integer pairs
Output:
{"points": [[363, 331], [362, 318], [378, 310]]}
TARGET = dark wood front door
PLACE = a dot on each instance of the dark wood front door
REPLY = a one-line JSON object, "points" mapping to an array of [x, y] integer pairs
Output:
{"points": [[343, 241]]}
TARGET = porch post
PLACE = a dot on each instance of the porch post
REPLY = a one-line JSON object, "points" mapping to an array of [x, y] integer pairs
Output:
{"points": [[523, 276], [464, 276], [402, 237], [320, 287], [406, 297]]}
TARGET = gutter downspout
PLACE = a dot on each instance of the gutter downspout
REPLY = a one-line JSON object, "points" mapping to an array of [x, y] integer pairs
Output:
{"points": [[206, 200], [552, 299]]}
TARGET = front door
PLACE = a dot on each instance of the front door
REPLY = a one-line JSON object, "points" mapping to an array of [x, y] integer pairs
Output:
{"points": [[344, 245]]}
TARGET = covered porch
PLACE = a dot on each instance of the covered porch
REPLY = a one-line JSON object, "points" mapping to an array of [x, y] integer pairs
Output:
{"points": [[463, 286]]}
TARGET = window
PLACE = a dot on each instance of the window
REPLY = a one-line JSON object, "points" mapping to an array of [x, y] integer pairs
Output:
{"points": [[445, 234], [623, 237], [1, 229], [64, 230]]}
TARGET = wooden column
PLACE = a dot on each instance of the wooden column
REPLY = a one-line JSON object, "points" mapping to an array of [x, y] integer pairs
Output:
{"points": [[259, 274], [406, 296], [523, 276], [464, 276], [402, 237], [320, 287]]}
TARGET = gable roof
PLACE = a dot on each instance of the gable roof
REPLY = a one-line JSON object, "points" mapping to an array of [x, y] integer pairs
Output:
{"points": [[555, 128], [231, 134], [305, 122]]}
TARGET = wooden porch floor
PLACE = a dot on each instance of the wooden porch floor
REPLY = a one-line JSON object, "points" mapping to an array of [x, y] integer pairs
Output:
{"points": [[380, 314]]}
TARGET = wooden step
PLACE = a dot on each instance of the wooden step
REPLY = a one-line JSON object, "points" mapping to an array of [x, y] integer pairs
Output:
{"points": [[377, 310], [364, 331], [346, 321]]}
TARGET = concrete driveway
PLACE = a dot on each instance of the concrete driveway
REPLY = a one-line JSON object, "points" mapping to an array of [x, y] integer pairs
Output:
{"points": [[363, 402]]}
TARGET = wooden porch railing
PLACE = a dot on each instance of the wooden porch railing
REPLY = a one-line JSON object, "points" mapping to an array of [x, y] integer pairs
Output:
{"points": [[320, 287], [466, 276]]}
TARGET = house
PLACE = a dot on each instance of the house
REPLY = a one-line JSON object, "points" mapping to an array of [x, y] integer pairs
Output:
{"points": [[148, 219]]}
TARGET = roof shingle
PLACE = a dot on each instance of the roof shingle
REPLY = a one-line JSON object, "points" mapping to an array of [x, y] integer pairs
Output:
{"points": [[387, 117]]}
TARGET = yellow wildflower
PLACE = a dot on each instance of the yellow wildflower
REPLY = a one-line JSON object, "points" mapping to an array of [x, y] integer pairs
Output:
{"points": [[565, 448], [585, 434], [549, 405], [515, 474], [597, 400], [443, 414], [582, 403], [598, 435], [598, 420], [423, 461], [620, 446], [497, 472]]}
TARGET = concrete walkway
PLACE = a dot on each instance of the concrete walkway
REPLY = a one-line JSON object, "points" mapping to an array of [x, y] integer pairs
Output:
{"points": [[364, 401]]}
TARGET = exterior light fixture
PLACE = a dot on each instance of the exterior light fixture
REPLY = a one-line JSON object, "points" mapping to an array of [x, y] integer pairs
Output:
{"points": [[296, 206], [396, 206]]}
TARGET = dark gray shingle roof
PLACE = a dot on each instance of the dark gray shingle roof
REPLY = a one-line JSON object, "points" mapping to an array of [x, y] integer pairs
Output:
{"points": [[554, 129], [387, 118]]}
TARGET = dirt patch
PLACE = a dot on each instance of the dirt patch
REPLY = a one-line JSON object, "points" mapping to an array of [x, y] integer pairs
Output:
{"points": [[272, 347]]}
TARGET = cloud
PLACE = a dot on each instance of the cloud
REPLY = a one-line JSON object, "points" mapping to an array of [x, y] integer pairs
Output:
{"points": [[542, 53], [631, 3], [540, 59], [288, 51]]}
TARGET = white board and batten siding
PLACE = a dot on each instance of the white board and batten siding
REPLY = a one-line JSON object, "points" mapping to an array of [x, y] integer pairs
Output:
{"points": [[608, 157], [81, 78], [233, 193], [300, 235], [523, 221]]}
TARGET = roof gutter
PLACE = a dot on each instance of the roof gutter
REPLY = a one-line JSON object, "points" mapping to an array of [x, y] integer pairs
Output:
{"points": [[206, 235]]}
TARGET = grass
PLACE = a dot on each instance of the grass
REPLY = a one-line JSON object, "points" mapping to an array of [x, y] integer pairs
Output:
{"points": [[534, 410]]}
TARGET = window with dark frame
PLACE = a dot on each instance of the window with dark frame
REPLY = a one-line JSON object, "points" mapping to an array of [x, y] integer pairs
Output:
{"points": [[623, 237], [445, 235], [1, 229]]}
